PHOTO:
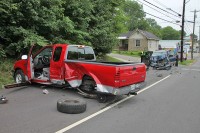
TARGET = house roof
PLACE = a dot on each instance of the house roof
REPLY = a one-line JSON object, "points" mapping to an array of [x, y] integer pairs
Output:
{"points": [[147, 34]]}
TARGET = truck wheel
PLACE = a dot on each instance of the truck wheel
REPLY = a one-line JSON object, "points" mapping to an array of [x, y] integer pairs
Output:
{"points": [[102, 98], [71, 106], [19, 76], [88, 84]]}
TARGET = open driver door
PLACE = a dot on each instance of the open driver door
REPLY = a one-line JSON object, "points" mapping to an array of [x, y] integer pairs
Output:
{"points": [[30, 71]]}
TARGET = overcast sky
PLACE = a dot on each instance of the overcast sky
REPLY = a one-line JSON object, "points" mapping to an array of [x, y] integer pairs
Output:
{"points": [[176, 5]]}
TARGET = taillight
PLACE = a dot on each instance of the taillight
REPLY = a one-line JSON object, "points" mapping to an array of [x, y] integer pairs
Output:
{"points": [[117, 78]]}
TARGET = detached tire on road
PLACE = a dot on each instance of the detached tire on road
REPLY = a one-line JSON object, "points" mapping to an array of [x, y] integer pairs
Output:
{"points": [[71, 106]]}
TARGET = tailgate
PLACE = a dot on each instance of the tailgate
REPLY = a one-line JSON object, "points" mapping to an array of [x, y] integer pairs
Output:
{"points": [[132, 74]]}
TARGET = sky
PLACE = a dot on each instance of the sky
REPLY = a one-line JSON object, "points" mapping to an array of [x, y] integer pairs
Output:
{"points": [[177, 6]]}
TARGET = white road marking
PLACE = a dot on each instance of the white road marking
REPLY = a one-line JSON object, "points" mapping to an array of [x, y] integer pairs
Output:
{"points": [[152, 84], [105, 109], [191, 69]]}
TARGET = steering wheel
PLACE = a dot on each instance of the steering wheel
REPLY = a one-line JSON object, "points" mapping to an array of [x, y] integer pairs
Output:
{"points": [[45, 59]]}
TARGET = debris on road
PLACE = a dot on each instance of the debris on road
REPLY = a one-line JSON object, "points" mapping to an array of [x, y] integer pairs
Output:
{"points": [[86, 95], [45, 91], [3, 100], [9, 86], [159, 75], [71, 106]]}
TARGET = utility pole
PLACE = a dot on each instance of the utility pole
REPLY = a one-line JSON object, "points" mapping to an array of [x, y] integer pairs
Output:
{"points": [[182, 30], [195, 11], [199, 39]]}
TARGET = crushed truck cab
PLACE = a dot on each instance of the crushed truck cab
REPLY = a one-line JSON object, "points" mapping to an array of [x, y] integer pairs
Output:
{"points": [[76, 66]]}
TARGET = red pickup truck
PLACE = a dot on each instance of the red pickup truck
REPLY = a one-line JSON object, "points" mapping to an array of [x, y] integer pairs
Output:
{"points": [[76, 66]]}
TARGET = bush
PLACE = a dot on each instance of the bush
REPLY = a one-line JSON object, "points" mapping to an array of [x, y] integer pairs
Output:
{"points": [[6, 76]]}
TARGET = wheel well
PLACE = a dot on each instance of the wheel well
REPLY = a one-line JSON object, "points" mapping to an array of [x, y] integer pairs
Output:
{"points": [[87, 77], [16, 70], [88, 83]]}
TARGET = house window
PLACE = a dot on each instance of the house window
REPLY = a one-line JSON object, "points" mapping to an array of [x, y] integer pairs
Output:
{"points": [[137, 43]]}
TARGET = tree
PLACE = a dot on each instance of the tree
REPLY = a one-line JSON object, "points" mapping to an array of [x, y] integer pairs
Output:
{"points": [[79, 12], [154, 27], [120, 19], [135, 13], [33, 21], [87, 22], [168, 33], [101, 26]]}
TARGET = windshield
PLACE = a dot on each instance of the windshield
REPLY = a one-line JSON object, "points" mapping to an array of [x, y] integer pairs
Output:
{"points": [[82, 53]]}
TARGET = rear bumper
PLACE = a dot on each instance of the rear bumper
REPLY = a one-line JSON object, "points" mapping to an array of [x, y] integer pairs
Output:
{"points": [[120, 91]]}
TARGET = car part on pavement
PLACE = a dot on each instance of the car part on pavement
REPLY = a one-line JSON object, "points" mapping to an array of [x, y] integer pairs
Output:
{"points": [[71, 106], [102, 98], [45, 91], [15, 85], [3, 100], [86, 95]]}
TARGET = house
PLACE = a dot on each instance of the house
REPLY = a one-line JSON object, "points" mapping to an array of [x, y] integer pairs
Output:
{"points": [[138, 40]]}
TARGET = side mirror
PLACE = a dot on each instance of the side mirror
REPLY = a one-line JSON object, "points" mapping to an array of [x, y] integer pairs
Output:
{"points": [[24, 57]]}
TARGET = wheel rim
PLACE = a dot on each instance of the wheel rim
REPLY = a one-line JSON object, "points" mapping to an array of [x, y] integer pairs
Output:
{"points": [[102, 98], [18, 78]]}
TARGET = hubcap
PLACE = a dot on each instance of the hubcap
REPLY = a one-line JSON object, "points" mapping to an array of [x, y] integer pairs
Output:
{"points": [[18, 78]]}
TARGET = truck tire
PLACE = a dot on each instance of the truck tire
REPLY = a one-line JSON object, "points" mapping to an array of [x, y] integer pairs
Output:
{"points": [[19, 76], [71, 106]]}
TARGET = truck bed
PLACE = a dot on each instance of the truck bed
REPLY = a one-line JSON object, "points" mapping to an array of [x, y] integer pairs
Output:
{"points": [[112, 74]]}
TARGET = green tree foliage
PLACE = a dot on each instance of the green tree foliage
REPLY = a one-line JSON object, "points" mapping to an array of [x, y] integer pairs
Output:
{"points": [[120, 19], [136, 15], [90, 22], [101, 28], [168, 33], [154, 27], [33, 21]]}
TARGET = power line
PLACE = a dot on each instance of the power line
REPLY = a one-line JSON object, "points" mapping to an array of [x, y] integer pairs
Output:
{"points": [[162, 19], [188, 29], [161, 9], [166, 7], [187, 1], [156, 10], [160, 3], [159, 17]]}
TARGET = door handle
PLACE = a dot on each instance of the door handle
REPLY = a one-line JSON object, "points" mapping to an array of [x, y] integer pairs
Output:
{"points": [[134, 68]]}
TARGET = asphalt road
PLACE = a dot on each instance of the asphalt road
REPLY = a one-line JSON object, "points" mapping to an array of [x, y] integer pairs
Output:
{"points": [[171, 105]]}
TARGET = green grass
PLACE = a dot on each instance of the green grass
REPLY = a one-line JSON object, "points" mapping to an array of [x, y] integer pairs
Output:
{"points": [[129, 53], [111, 59], [187, 62], [6, 67], [107, 59]]}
